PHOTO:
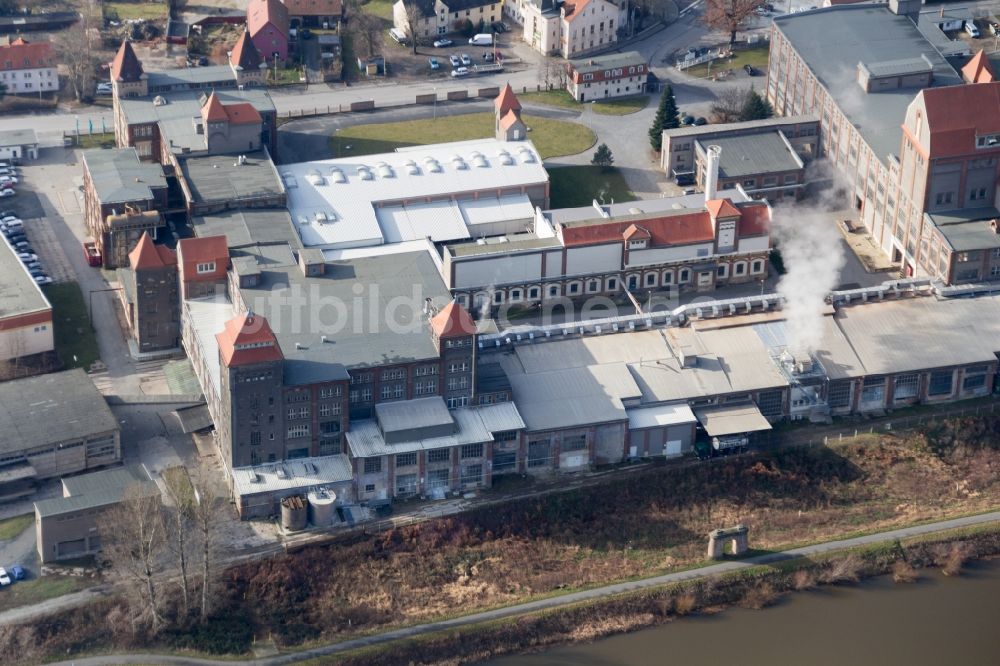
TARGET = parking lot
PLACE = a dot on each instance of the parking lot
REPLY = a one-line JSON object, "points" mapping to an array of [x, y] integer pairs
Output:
{"points": [[23, 222], [403, 63]]}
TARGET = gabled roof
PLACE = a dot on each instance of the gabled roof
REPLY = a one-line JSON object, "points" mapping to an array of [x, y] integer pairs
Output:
{"points": [[452, 322], [979, 69], [509, 119], [956, 114], [755, 220], [507, 101], [212, 111], [147, 255], [314, 7], [20, 50], [204, 250], [575, 8], [126, 65], [635, 232], [248, 339], [245, 54], [262, 12], [694, 227], [723, 208]]}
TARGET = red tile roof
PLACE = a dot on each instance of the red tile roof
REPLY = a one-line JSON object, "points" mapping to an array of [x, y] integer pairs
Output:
{"points": [[956, 114], [262, 12], [506, 101], [314, 7], [635, 232], [205, 250], [213, 112], [574, 9], [242, 113], [248, 339], [723, 208], [245, 53], [452, 322], [509, 119], [147, 255], [695, 227], [126, 66], [755, 220], [979, 69], [20, 50]]}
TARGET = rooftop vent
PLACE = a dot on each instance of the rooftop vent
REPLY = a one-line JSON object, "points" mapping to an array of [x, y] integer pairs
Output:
{"points": [[459, 163], [385, 171], [315, 178], [159, 101], [364, 173], [505, 158], [337, 176]]}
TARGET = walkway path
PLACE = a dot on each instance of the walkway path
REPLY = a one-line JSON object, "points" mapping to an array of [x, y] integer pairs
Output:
{"points": [[555, 602]]}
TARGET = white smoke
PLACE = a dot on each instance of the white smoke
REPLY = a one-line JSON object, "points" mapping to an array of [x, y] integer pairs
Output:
{"points": [[813, 254]]}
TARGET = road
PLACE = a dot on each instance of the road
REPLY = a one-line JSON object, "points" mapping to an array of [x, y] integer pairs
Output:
{"points": [[554, 602]]}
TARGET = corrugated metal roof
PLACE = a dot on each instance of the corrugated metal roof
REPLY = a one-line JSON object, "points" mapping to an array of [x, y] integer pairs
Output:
{"points": [[731, 419], [303, 473], [109, 479], [660, 415], [412, 414], [89, 491], [752, 154], [500, 417], [365, 439], [118, 175], [572, 397]]}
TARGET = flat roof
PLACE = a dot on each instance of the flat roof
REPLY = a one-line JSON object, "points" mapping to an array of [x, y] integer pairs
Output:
{"points": [[658, 416], [735, 128], [119, 176], [189, 75], [389, 290], [365, 438], [749, 154], [50, 409], [19, 293], [208, 315], [680, 205], [834, 40], [248, 227], [722, 420], [600, 63], [214, 178], [117, 478], [176, 116], [968, 228], [300, 474], [18, 137], [334, 203], [412, 414], [89, 491]]}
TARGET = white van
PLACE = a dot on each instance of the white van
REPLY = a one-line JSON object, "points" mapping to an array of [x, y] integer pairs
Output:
{"points": [[482, 39], [970, 27], [398, 36]]}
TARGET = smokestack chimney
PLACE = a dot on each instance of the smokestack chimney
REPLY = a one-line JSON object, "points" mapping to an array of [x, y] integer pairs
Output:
{"points": [[712, 172]]}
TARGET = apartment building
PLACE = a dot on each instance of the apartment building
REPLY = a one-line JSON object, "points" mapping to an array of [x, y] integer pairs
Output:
{"points": [[607, 77], [28, 67], [572, 29], [442, 17], [909, 132]]}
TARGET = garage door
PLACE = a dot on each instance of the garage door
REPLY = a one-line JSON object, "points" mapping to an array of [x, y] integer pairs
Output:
{"points": [[71, 548]]}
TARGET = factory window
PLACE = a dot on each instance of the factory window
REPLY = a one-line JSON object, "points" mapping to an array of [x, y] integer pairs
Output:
{"points": [[538, 453], [770, 403], [749, 182], [373, 465], [255, 438], [839, 394], [650, 279], [684, 276], [612, 284], [396, 374], [329, 428], [370, 488], [298, 431], [425, 388], [574, 443], [905, 387], [472, 451], [790, 179], [329, 409], [977, 194], [941, 382], [424, 370], [668, 277], [515, 295], [873, 391], [497, 297], [455, 403], [593, 286], [458, 383], [533, 294], [406, 484], [739, 268], [505, 436], [362, 378], [553, 290], [439, 456], [472, 474], [406, 459], [723, 270], [633, 282], [975, 378], [574, 287], [458, 367], [757, 266], [330, 392]]}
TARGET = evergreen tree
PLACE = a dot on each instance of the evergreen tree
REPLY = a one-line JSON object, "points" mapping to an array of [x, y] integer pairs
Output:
{"points": [[666, 117], [603, 157], [756, 107]]}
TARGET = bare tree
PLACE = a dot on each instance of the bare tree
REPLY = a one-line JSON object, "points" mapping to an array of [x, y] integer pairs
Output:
{"points": [[206, 510], [728, 104], [413, 18], [179, 525], [132, 542], [364, 29], [729, 15], [73, 46]]}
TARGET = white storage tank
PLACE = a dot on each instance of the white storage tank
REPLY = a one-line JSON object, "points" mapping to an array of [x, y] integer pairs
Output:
{"points": [[322, 504]]}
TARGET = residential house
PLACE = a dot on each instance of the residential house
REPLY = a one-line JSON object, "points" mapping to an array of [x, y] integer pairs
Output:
{"points": [[314, 13], [606, 77], [268, 24], [28, 67], [442, 17], [572, 29]]}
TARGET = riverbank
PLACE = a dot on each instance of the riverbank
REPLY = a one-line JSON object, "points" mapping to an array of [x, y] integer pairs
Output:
{"points": [[754, 588]]}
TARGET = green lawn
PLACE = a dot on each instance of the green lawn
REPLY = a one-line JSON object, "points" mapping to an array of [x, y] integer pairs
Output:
{"points": [[75, 340], [11, 527], [27, 592], [124, 11], [95, 140], [562, 99], [286, 76], [580, 185], [379, 8], [756, 57], [552, 138], [620, 107]]}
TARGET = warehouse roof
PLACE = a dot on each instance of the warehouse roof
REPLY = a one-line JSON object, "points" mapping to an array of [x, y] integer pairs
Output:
{"points": [[677, 413], [249, 227], [89, 491], [366, 440], [218, 178], [749, 154], [291, 474], [968, 228], [49, 409], [833, 41], [19, 293], [335, 203], [120, 177]]}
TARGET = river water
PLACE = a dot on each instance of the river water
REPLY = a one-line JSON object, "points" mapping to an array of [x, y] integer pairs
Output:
{"points": [[938, 621]]}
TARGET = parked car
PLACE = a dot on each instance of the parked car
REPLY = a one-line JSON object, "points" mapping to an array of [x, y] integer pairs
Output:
{"points": [[455, 61], [8, 179], [12, 224], [22, 246], [435, 65], [994, 28], [4, 578], [460, 71], [684, 179], [488, 56], [43, 280], [687, 120], [700, 121], [466, 60], [34, 268], [497, 26], [443, 42], [92, 253], [27, 256], [7, 192], [14, 239], [17, 572], [748, 68]]}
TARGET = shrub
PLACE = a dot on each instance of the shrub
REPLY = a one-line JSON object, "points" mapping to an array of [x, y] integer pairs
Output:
{"points": [[685, 603], [759, 596], [803, 579], [955, 560], [845, 569], [904, 572]]}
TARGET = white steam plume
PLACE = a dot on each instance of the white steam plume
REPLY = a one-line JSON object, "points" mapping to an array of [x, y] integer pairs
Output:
{"points": [[813, 254]]}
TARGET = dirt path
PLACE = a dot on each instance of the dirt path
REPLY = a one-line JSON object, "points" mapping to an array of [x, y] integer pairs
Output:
{"points": [[555, 602]]}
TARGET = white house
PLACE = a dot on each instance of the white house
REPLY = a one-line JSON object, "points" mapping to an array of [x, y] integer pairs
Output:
{"points": [[571, 28], [28, 67], [18, 144], [441, 17]]}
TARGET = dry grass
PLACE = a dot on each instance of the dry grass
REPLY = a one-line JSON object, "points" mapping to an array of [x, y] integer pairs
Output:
{"points": [[904, 572], [760, 596], [685, 603], [804, 579], [842, 570], [954, 560]]}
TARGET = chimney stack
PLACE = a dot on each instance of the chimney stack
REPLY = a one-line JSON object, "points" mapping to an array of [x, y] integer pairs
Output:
{"points": [[712, 172]]}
